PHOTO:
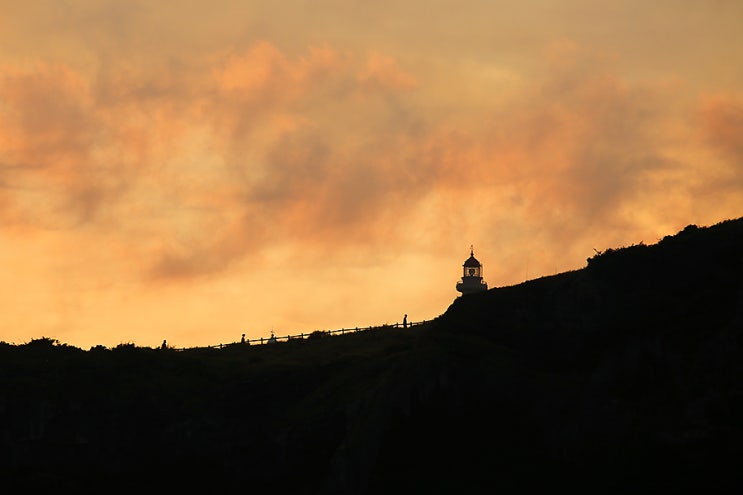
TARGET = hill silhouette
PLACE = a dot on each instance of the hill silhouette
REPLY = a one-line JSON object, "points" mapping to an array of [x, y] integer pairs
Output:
{"points": [[623, 376]]}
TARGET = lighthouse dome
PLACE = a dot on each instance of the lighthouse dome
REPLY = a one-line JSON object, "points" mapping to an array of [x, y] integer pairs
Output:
{"points": [[472, 262]]}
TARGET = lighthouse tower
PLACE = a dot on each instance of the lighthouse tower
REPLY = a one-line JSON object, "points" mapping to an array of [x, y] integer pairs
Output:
{"points": [[472, 277]]}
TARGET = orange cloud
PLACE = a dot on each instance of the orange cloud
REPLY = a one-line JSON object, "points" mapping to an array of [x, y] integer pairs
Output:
{"points": [[48, 147], [295, 163], [287, 147], [723, 125], [383, 70]]}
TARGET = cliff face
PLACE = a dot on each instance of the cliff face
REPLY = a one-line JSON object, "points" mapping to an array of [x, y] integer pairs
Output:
{"points": [[624, 376]]}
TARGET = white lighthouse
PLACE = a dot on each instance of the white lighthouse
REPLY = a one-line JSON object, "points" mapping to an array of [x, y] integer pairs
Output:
{"points": [[472, 276]]}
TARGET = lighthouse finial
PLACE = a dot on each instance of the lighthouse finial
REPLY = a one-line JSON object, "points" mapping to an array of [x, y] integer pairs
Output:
{"points": [[472, 250]]}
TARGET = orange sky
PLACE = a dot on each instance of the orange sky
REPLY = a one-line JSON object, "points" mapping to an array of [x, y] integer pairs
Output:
{"points": [[193, 170]]}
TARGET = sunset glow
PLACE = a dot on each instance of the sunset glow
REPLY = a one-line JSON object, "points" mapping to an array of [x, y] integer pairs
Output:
{"points": [[194, 170]]}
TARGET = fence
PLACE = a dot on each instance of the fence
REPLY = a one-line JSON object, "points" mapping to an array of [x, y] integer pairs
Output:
{"points": [[274, 338]]}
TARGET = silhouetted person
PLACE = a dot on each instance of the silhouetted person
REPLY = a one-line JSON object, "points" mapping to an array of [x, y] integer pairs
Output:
{"points": [[165, 344], [405, 321], [242, 340]]}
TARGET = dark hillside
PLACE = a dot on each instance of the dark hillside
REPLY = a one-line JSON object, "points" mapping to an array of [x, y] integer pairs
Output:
{"points": [[680, 290], [625, 376], [652, 337]]}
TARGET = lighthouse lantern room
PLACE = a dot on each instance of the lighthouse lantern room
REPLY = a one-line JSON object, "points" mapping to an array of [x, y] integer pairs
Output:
{"points": [[472, 276]]}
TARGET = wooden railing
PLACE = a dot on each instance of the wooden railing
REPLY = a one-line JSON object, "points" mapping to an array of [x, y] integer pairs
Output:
{"points": [[275, 338]]}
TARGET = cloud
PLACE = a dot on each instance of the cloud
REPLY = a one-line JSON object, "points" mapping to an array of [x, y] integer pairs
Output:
{"points": [[722, 118], [573, 149], [48, 145], [204, 162], [311, 151]]}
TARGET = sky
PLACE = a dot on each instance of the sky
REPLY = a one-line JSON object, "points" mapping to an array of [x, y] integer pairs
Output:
{"points": [[193, 170]]}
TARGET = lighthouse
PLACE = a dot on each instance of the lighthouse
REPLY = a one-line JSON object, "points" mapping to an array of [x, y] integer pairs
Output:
{"points": [[472, 276]]}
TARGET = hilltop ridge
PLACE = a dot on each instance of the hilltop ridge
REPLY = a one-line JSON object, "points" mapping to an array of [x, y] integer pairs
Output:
{"points": [[684, 284], [625, 375]]}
